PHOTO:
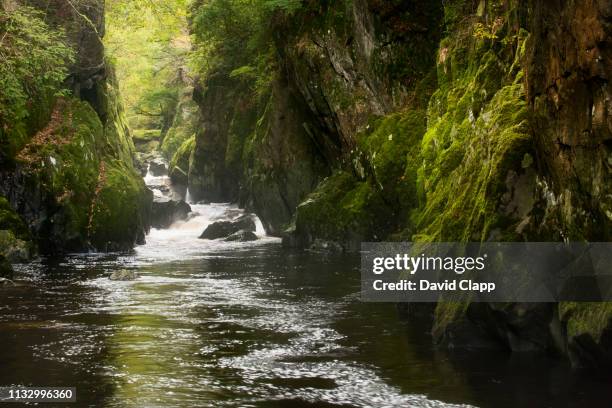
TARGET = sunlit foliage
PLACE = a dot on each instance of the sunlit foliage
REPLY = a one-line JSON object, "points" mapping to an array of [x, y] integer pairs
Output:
{"points": [[33, 62], [148, 41]]}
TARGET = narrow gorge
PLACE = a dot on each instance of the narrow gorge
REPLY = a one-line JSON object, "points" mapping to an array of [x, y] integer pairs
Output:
{"points": [[222, 161]]}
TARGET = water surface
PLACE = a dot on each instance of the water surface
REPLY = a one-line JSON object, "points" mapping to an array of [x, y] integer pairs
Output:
{"points": [[213, 324]]}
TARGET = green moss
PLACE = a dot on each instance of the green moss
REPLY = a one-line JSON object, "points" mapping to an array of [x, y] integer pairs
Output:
{"points": [[12, 248], [586, 318], [183, 126], [344, 210], [117, 218], [11, 221], [477, 132], [63, 158], [179, 165], [15, 245], [145, 135], [393, 153]]}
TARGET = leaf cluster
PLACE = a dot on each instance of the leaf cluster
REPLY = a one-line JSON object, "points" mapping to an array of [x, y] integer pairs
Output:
{"points": [[34, 60]]}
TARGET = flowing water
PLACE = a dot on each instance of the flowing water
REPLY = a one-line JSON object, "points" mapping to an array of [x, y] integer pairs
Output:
{"points": [[211, 323]]}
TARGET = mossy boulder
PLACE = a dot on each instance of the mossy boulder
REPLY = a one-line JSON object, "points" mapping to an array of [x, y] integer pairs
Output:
{"points": [[588, 330], [146, 140], [61, 182], [14, 249], [343, 210], [11, 221], [120, 211]]}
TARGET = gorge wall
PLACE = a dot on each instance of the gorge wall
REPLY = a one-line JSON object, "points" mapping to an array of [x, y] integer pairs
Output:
{"points": [[67, 177], [360, 120]]}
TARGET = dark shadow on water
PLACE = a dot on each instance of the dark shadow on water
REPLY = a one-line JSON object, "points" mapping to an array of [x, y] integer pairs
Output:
{"points": [[242, 329]]}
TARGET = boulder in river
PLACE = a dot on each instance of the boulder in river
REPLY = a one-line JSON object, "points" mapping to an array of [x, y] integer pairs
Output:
{"points": [[242, 236], [158, 168], [223, 229], [166, 211], [12, 248], [123, 275]]}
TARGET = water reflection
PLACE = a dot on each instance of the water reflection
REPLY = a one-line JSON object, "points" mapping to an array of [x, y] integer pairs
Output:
{"points": [[219, 324]]}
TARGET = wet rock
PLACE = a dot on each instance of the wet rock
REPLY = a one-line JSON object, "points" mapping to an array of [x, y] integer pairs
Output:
{"points": [[223, 229], [6, 270], [14, 249], [158, 168], [123, 275], [242, 236], [6, 283], [166, 211]]}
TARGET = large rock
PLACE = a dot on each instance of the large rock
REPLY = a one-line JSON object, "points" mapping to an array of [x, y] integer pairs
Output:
{"points": [[165, 212], [14, 249], [158, 168], [242, 236], [223, 229], [123, 275]]}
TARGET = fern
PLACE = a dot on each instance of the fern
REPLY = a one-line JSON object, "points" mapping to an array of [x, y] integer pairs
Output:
{"points": [[33, 62]]}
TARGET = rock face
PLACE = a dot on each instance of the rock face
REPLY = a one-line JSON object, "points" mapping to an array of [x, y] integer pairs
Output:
{"points": [[166, 212], [242, 236], [429, 121], [69, 172], [223, 229]]}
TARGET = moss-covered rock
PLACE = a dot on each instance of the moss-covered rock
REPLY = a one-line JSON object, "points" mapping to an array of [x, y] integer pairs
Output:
{"points": [[183, 127], [11, 221], [14, 249], [59, 174], [341, 210], [15, 238], [588, 331], [179, 165], [120, 209], [146, 140], [52, 177]]}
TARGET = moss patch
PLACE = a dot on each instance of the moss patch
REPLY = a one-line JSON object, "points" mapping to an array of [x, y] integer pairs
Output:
{"points": [[344, 210], [11, 221], [117, 220], [179, 165], [586, 318]]}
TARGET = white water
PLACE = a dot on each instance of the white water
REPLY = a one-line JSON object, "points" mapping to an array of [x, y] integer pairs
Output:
{"points": [[181, 241]]}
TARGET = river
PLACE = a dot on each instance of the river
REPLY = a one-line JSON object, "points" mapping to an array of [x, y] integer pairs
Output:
{"points": [[211, 323]]}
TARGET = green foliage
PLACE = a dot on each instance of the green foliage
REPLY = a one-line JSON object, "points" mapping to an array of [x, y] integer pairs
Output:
{"points": [[233, 37], [148, 42], [33, 65]]}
